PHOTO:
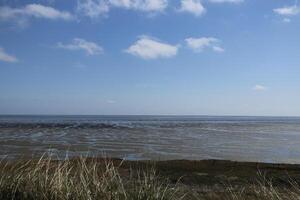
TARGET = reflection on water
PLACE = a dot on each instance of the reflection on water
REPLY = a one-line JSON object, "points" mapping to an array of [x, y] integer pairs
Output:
{"points": [[267, 139]]}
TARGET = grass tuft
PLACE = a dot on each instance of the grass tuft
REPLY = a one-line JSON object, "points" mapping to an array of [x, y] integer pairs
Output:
{"points": [[79, 179]]}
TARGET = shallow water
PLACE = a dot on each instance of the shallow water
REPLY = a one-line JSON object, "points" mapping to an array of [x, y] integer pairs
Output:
{"points": [[265, 139]]}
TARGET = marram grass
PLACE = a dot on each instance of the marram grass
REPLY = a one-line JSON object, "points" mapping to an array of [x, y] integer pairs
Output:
{"points": [[79, 179], [100, 179]]}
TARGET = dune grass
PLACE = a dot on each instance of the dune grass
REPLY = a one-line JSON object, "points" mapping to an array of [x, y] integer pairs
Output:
{"points": [[94, 179], [81, 180], [262, 189]]}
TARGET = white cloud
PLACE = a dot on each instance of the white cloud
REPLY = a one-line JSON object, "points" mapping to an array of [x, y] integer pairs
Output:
{"points": [[41, 11], [6, 57], [143, 5], [287, 10], [93, 8], [90, 48], [121, 3], [150, 48], [199, 44], [226, 1], [33, 10], [218, 49], [192, 6], [259, 88], [99, 8]]}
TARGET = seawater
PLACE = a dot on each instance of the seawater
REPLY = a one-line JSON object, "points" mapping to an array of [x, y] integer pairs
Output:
{"points": [[262, 139]]}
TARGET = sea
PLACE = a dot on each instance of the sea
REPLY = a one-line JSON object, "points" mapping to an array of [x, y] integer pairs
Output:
{"points": [[238, 138]]}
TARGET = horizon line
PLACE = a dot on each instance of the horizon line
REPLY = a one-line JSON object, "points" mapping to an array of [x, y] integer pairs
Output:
{"points": [[163, 115]]}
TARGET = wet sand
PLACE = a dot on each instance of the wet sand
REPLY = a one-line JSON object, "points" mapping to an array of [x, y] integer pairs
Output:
{"points": [[275, 140]]}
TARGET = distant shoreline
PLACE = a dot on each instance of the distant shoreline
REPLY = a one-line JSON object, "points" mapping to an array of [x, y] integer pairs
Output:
{"points": [[146, 115]]}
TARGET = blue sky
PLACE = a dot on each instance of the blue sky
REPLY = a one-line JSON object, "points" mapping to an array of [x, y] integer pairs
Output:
{"points": [[209, 57]]}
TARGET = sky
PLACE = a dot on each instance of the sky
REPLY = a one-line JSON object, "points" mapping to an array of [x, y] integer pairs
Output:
{"points": [[150, 57]]}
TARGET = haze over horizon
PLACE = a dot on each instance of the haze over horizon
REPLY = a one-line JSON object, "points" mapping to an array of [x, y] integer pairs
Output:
{"points": [[150, 57]]}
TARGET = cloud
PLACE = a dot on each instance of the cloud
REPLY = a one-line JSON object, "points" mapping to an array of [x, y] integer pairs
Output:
{"points": [[226, 1], [143, 5], [93, 8], [199, 44], [287, 10], [194, 7], [21, 15], [259, 88], [90, 48], [99, 8], [150, 48], [40, 11], [218, 49], [6, 57]]}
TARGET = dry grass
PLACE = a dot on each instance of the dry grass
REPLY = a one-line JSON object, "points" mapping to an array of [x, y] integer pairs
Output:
{"points": [[81, 180], [263, 189], [94, 179]]}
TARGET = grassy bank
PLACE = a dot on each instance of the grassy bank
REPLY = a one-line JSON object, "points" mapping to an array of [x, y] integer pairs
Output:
{"points": [[91, 178]]}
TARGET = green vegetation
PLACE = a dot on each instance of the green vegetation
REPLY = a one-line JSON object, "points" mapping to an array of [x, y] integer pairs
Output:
{"points": [[92, 178]]}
